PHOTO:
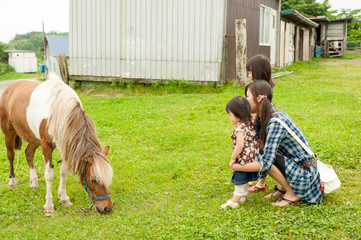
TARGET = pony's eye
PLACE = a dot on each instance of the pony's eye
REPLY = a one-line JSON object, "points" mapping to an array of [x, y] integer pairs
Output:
{"points": [[93, 181]]}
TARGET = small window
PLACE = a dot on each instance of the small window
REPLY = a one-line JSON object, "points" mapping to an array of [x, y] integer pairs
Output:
{"points": [[267, 21]]}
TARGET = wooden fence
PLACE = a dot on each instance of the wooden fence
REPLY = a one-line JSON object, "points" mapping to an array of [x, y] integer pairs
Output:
{"points": [[354, 45]]}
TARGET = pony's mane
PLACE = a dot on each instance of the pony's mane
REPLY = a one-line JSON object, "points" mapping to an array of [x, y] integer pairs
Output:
{"points": [[74, 133]]}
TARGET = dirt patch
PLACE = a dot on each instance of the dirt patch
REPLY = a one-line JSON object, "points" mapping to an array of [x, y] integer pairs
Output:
{"points": [[340, 62], [107, 95], [94, 93], [6, 83]]}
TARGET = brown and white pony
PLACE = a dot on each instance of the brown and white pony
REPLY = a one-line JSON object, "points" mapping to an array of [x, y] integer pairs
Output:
{"points": [[49, 114]]}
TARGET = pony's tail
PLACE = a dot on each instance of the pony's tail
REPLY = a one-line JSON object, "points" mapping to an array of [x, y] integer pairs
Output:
{"points": [[18, 143]]}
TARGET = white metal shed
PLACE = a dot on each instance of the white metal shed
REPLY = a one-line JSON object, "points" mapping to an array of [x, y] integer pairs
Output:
{"points": [[24, 61], [146, 39], [54, 45]]}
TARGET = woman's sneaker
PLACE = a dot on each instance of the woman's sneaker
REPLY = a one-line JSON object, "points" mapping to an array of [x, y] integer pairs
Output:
{"points": [[229, 203]]}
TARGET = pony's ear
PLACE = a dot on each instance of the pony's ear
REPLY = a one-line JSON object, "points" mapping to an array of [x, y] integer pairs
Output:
{"points": [[106, 150], [89, 161]]}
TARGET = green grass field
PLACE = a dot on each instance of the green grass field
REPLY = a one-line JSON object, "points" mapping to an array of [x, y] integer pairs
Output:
{"points": [[170, 155], [16, 75]]}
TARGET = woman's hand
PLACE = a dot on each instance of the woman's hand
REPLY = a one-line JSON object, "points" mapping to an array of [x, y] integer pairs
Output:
{"points": [[232, 162], [248, 167], [235, 166]]}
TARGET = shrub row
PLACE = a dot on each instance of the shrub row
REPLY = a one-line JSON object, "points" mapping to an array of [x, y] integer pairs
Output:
{"points": [[5, 68]]}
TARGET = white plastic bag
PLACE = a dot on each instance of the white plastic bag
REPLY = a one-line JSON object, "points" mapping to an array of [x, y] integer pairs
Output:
{"points": [[328, 176], [330, 180]]}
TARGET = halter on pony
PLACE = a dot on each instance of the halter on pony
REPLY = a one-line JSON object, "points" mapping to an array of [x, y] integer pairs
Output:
{"points": [[92, 197]]}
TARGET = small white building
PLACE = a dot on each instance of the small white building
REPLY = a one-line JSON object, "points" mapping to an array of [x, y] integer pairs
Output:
{"points": [[23, 61]]}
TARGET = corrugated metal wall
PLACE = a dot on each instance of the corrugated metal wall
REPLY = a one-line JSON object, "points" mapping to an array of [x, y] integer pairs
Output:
{"points": [[148, 39], [272, 4], [249, 10]]}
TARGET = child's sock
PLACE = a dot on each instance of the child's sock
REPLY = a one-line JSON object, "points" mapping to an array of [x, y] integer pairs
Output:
{"points": [[241, 191]]}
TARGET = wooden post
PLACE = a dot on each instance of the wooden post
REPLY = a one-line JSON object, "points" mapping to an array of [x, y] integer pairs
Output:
{"points": [[306, 45], [297, 44], [63, 67], [241, 52], [282, 44], [344, 43], [287, 44]]}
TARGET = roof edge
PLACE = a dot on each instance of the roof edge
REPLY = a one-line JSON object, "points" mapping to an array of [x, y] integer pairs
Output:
{"points": [[14, 51], [303, 20], [347, 19]]}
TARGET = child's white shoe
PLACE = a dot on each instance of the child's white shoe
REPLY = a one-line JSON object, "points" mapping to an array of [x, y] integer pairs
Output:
{"points": [[229, 203]]}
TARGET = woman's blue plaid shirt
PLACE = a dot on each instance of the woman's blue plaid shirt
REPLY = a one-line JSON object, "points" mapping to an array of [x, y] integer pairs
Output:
{"points": [[304, 182]]}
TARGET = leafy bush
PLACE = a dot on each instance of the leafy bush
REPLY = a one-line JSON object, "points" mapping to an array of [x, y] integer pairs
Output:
{"points": [[3, 55], [156, 88], [40, 57], [5, 68]]}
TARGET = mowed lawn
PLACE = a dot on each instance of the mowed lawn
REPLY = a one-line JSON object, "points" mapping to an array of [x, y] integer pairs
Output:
{"points": [[170, 157]]}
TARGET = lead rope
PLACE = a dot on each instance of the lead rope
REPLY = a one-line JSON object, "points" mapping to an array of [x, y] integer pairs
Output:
{"points": [[18, 192], [17, 161], [91, 195], [30, 202], [16, 168], [88, 209], [17, 164]]}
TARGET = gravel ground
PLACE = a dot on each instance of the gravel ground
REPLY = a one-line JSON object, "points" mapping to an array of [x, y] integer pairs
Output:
{"points": [[339, 62], [4, 84]]}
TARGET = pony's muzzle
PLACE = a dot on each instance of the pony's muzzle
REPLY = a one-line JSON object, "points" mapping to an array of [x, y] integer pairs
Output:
{"points": [[104, 206], [104, 209]]}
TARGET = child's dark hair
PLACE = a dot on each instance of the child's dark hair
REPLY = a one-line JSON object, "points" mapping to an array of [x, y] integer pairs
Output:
{"points": [[240, 108], [263, 89], [261, 68]]}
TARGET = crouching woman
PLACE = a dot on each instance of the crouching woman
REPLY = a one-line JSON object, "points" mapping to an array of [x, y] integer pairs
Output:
{"points": [[294, 171]]}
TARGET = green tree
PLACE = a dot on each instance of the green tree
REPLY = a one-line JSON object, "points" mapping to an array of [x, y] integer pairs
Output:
{"points": [[3, 55], [307, 7], [29, 41]]}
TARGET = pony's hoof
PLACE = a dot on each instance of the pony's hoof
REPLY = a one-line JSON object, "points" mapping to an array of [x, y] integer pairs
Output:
{"points": [[34, 186], [13, 186], [66, 203], [47, 214], [48, 211], [12, 183]]}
